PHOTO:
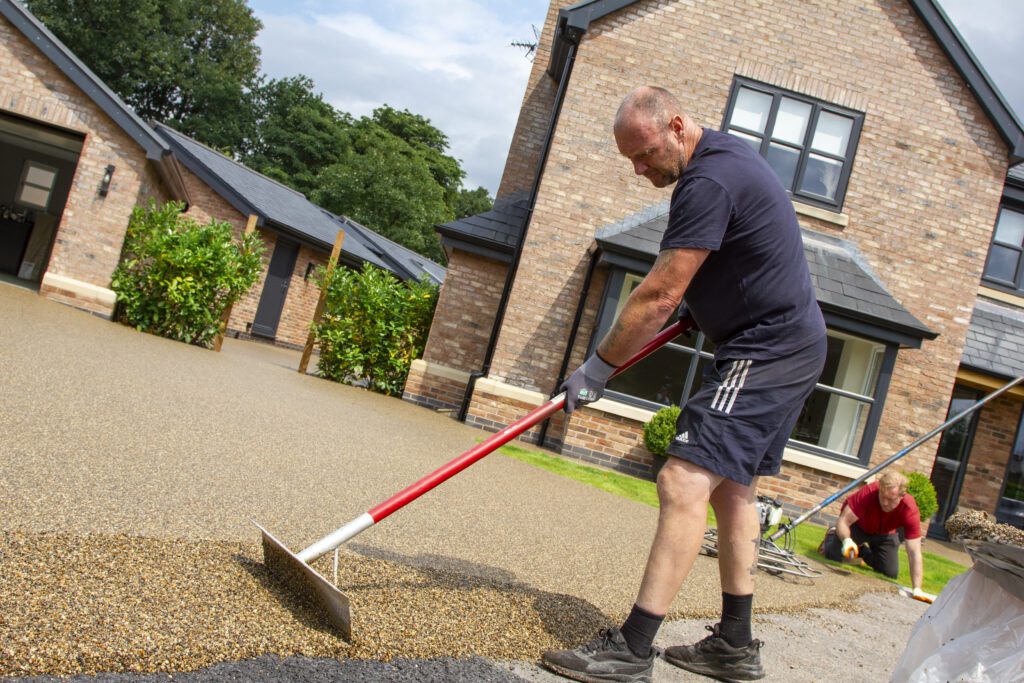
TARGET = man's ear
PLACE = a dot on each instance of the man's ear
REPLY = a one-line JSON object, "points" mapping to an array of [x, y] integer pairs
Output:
{"points": [[678, 126]]}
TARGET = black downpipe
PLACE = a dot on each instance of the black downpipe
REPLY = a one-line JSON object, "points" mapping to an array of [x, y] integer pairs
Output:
{"points": [[591, 267], [510, 276]]}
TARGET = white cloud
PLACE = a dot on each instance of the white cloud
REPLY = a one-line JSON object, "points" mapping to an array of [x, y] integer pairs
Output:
{"points": [[451, 62]]}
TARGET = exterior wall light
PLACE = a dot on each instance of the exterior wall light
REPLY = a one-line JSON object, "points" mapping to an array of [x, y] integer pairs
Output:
{"points": [[108, 175]]}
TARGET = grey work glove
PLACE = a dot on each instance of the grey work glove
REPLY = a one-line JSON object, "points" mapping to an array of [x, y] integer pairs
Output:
{"points": [[586, 385]]}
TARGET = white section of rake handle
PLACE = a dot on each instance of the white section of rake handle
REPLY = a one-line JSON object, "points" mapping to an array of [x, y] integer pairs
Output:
{"points": [[336, 538]]}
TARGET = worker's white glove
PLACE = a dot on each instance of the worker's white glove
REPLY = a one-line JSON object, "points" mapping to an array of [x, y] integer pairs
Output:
{"points": [[919, 594], [586, 385], [850, 550]]}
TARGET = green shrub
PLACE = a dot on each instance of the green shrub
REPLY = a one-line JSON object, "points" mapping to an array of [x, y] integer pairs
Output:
{"points": [[373, 327], [660, 430], [920, 487], [176, 277]]}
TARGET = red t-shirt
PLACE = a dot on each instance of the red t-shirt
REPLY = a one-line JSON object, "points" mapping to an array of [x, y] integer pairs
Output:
{"points": [[873, 520]]}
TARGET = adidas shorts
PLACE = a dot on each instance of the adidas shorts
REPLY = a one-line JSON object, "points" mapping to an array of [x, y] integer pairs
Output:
{"points": [[739, 420]]}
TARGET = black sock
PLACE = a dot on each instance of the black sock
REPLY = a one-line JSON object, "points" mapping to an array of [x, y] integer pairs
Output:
{"points": [[639, 630], [735, 624]]}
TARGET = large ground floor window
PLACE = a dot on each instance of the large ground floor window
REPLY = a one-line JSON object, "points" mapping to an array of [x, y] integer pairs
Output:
{"points": [[839, 419]]}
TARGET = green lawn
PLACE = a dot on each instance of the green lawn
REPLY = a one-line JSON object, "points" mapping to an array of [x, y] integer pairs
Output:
{"points": [[937, 570]]}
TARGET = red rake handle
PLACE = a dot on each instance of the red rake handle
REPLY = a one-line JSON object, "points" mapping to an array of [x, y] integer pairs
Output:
{"points": [[446, 472], [534, 417]]}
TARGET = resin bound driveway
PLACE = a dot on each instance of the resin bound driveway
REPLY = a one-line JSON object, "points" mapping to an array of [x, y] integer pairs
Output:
{"points": [[111, 433]]}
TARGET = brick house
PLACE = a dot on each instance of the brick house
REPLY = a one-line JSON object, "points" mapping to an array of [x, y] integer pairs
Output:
{"points": [[75, 161], [894, 147]]}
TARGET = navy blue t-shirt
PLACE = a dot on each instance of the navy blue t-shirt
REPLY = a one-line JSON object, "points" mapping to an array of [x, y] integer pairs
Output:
{"points": [[753, 295]]}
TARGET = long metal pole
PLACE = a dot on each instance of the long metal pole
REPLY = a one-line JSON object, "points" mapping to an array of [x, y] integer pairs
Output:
{"points": [[786, 528]]}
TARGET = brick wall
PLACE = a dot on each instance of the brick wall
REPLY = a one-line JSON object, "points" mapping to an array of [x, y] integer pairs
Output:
{"points": [[990, 451], [610, 441], [433, 390], [466, 307], [89, 237], [922, 197], [799, 488]]}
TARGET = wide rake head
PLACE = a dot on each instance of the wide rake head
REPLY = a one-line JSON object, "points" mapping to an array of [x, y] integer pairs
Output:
{"points": [[321, 593]]}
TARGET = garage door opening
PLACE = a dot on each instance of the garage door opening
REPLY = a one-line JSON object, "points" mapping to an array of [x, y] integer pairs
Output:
{"points": [[37, 164]]}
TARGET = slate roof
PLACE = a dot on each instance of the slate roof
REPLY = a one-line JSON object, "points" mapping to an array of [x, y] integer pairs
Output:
{"points": [[401, 259], [1016, 173], [843, 281], [995, 340], [497, 229], [287, 211]]}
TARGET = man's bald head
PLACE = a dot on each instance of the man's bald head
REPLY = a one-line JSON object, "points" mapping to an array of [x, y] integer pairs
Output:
{"points": [[650, 102]]}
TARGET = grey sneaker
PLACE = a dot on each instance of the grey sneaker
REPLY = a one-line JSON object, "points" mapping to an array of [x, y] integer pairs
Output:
{"points": [[714, 657], [606, 658]]}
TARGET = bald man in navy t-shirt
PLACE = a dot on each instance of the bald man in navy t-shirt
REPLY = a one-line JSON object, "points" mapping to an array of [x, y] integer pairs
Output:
{"points": [[733, 251]]}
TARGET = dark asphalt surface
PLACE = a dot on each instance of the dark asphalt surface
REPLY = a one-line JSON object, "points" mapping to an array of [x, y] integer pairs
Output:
{"points": [[309, 670]]}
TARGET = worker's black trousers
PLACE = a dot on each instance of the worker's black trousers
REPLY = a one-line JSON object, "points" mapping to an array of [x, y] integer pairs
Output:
{"points": [[879, 551]]}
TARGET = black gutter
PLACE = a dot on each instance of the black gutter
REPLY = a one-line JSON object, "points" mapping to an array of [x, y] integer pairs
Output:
{"points": [[595, 256], [573, 35]]}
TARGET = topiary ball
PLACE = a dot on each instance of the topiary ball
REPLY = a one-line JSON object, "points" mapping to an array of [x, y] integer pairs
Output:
{"points": [[660, 430]]}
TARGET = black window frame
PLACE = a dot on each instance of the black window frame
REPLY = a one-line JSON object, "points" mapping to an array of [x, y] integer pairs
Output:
{"points": [[836, 323], [1017, 286], [817, 107], [1010, 514]]}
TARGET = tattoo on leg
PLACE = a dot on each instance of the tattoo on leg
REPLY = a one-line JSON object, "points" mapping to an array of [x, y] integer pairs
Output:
{"points": [[757, 549]]}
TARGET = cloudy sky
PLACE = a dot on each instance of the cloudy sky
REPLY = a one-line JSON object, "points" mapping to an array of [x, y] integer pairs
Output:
{"points": [[452, 61]]}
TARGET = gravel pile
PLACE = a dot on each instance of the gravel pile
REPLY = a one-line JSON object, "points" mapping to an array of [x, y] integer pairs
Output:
{"points": [[976, 525], [82, 605]]}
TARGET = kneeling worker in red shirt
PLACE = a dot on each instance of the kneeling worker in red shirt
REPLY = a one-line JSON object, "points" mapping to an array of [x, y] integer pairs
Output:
{"points": [[868, 528]]}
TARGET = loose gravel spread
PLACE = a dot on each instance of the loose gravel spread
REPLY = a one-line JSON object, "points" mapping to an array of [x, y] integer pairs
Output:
{"points": [[82, 605]]}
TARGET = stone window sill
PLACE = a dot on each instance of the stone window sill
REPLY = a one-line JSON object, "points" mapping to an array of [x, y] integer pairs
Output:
{"points": [[840, 219]]}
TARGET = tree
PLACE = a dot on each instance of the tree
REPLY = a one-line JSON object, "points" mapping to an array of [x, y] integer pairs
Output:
{"points": [[384, 183], [428, 142], [187, 63], [297, 134], [472, 202]]}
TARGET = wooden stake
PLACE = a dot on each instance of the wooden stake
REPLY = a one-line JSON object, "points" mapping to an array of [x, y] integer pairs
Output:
{"points": [[321, 302], [250, 227]]}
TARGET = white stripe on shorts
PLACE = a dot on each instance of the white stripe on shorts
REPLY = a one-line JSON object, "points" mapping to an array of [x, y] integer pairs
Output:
{"points": [[729, 389]]}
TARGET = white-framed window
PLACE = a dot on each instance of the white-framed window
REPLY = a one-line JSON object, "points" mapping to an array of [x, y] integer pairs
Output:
{"points": [[835, 417], [37, 181]]}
